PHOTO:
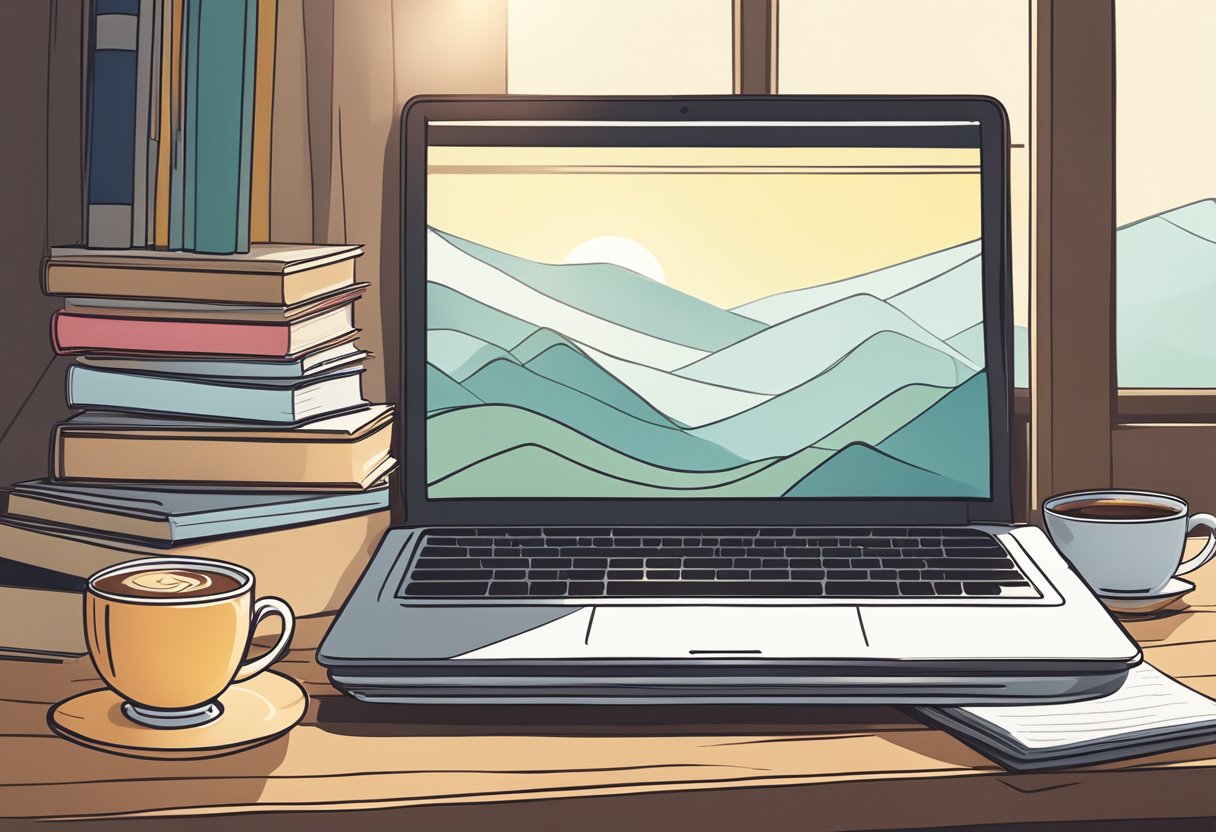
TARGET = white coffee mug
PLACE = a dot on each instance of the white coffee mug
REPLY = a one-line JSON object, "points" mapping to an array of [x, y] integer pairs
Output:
{"points": [[1128, 554]]}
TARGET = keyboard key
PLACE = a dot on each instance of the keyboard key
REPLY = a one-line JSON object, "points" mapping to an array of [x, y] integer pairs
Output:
{"points": [[982, 589], [862, 589], [998, 575], [508, 588], [916, 588], [581, 574], [586, 588], [944, 588], [714, 589], [452, 575], [554, 589], [804, 574], [448, 589], [770, 574], [505, 563], [663, 563], [625, 574], [960, 563], [444, 563], [552, 563], [846, 574]]}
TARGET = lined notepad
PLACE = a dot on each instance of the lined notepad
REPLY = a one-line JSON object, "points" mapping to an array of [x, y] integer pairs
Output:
{"points": [[1149, 714]]}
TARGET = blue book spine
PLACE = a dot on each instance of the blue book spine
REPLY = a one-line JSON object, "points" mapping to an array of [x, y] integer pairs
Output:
{"points": [[110, 146], [219, 124]]}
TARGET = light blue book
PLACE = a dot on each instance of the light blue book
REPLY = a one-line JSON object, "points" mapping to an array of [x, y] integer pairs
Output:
{"points": [[278, 401], [172, 516]]}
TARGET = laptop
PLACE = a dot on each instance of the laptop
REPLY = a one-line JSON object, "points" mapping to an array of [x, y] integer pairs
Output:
{"points": [[707, 399]]}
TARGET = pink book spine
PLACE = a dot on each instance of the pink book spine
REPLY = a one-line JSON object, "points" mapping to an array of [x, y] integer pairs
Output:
{"points": [[89, 333]]}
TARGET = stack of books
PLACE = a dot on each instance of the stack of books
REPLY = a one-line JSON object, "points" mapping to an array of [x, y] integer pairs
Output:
{"points": [[222, 415]]}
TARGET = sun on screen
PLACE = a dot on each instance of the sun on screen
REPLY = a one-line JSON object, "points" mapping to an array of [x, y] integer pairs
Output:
{"points": [[619, 251]]}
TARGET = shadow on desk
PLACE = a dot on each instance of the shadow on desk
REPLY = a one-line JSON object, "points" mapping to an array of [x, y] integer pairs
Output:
{"points": [[351, 717]]}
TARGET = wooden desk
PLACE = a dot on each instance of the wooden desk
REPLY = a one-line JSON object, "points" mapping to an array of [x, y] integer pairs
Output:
{"points": [[593, 768]]}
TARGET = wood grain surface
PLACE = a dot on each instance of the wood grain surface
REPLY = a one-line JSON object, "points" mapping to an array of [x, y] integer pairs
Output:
{"points": [[712, 767]]}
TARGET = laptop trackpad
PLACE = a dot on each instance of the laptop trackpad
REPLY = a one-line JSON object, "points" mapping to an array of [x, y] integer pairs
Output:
{"points": [[796, 632]]}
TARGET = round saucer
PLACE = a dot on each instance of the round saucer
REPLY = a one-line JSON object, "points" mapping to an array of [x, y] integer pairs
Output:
{"points": [[1147, 602], [254, 712]]}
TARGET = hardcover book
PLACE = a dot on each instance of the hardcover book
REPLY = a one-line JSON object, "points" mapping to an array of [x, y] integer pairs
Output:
{"points": [[72, 332], [269, 274], [284, 401], [173, 516], [350, 451]]}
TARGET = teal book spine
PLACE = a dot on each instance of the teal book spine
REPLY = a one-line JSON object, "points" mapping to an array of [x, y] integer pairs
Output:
{"points": [[219, 72], [181, 181]]}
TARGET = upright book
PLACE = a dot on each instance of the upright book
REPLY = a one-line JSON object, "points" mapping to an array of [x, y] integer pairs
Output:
{"points": [[111, 133], [221, 50]]}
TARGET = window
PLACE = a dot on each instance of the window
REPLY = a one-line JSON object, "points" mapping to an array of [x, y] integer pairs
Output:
{"points": [[1166, 193], [626, 47], [941, 47]]}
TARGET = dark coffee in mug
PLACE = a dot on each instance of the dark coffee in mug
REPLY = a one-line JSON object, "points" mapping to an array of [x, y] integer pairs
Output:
{"points": [[1114, 509], [168, 583]]}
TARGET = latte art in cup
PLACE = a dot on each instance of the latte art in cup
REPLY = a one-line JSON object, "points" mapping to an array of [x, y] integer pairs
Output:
{"points": [[168, 582], [175, 581]]}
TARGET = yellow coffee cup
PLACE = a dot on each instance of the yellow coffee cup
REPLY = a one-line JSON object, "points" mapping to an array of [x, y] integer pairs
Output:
{"points": [[169, 635]]}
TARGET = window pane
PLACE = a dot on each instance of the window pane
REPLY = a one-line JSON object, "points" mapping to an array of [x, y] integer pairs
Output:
{"points": [[1165, 148], [629, 47], [925, 47]]}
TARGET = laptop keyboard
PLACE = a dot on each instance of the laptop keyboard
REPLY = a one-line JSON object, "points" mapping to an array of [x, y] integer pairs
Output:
{"points": [[863, 563]]}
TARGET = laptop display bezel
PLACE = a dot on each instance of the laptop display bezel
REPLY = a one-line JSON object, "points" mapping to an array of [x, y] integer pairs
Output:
{"points": [[410, 440]]}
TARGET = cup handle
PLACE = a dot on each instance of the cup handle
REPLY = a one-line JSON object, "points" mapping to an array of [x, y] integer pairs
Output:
{"points": [[261, 609], [1208, 550]]}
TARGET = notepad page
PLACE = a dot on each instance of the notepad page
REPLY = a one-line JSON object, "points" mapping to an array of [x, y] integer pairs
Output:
{"points": [[1148, 703]]}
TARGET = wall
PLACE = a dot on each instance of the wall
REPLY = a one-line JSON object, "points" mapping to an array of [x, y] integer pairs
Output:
{"points": [[41, 165]]}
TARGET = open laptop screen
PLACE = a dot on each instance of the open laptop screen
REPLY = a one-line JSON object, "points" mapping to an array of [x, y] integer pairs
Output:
{"points": [[705, 310]]}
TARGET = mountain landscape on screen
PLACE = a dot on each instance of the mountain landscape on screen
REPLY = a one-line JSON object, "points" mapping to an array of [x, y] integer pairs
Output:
{"points": [[591, 380]]}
